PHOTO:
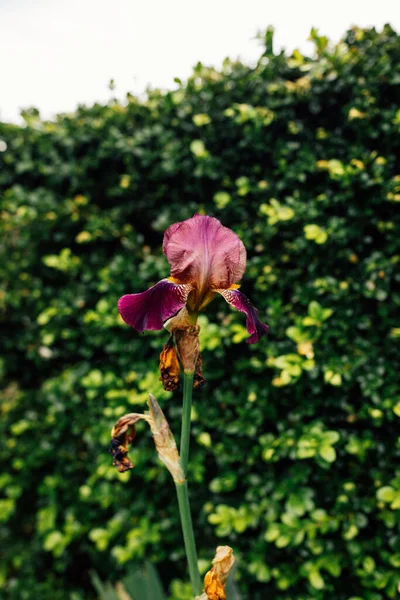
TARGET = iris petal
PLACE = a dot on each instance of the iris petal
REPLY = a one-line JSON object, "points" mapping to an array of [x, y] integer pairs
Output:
{"points": [[254, 326], [204, 253], [151, 308]]}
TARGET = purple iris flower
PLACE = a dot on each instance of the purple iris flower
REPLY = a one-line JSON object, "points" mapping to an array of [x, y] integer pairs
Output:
{"points": [[206, 259]]}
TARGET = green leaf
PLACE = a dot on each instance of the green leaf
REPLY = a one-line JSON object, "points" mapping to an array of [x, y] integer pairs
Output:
{"points": [[315, 233], [385, 494], [306, 452], [396, 501], [295, 334], [105, 591], [282, 541], [53, 540], [351, 532], [272, 533], [7, 508], [369, 564], [328, 453], [201, 119], [222, 199], [316, 580], [144, 583], [315, 310], [198, 148], [330, 437]]}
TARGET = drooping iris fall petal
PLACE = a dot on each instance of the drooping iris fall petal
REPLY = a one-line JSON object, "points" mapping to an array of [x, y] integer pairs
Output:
{"points": [[253, 324], [151, 308], [204, 253]]}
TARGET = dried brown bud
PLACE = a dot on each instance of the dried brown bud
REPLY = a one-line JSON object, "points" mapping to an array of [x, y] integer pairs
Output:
{"points": [[123, 433], [215, 590], [119, 453], [124, 428], [169, 367], [223, 562], [188, 346], [186, 334], [215, 579]]}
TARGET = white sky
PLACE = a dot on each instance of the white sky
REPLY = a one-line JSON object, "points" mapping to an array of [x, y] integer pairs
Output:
{"points": [[55, 54]]}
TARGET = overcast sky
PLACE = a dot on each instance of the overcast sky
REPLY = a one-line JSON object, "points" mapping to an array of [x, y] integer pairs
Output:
{"points": [[55, 54]]}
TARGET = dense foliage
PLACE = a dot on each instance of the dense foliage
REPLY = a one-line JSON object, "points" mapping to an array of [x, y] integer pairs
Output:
{"points": [[296, 441]]}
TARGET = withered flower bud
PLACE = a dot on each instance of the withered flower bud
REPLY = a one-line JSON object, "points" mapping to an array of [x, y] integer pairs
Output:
{"points": [[187, 339], [169, 367], [120, 456], [188, 346], [123, 434], [124, 428], [215, 579]]}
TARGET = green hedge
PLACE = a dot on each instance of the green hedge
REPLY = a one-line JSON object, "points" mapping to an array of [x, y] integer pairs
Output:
{"points": [[295, 448]]}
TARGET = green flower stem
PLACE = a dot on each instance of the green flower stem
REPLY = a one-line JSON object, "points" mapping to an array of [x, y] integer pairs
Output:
{"points": [[186, 415], [188, 537], [182, 488]]}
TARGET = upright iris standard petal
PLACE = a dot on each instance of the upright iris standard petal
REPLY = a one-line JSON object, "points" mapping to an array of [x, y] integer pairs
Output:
{"points": [[254, 326], [204, 253], [151, 308]]}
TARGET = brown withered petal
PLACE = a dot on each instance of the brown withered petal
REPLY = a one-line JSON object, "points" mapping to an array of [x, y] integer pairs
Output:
{"points": [[123, 433], [214, 588], [169, 367], [124, 427], [119, 454], [223, 562], [187, 339], [215, 579], [188, 346], [199, 380]]}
